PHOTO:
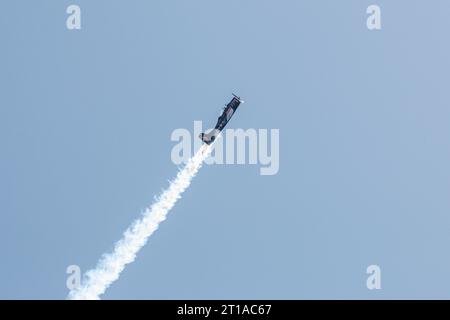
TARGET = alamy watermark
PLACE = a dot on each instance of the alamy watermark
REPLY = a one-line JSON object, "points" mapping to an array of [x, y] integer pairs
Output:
{"points": [[373, 21], [235, 146], [374, 279], [73, 21], [74, 279]]}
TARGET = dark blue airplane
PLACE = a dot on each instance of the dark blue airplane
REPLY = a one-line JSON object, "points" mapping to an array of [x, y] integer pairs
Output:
{"points": [[226, 115]]}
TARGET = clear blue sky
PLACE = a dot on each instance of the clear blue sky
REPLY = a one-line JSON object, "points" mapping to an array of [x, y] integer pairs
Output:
{"points": [[85, 124]]}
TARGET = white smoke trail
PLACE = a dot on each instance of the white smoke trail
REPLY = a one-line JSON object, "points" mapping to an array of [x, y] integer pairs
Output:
{"points": [[108, 269]]}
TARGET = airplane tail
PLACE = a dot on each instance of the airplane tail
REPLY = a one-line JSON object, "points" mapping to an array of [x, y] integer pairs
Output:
{"points": [[207, 138]]}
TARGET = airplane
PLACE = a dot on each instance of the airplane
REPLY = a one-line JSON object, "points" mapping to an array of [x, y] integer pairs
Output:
{"points": [[222, 121]]}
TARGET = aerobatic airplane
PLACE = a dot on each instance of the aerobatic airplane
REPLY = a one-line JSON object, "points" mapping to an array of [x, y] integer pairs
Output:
{"points": [[226, 115]]}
